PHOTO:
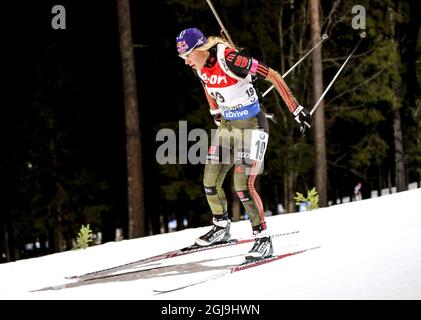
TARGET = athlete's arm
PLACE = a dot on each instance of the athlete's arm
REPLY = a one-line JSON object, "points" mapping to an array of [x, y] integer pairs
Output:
{"points": [[243, 65]]}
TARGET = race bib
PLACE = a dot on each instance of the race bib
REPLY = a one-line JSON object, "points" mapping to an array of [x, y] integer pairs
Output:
{"points": [[259, 142]]}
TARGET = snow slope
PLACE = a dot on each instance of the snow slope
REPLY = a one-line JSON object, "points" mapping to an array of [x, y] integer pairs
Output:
{"points": [[369, 249]]}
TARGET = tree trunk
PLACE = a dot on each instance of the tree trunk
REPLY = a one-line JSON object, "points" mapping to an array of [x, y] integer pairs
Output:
{"points": [[400, 176], [137, 224], [319, 115], [6, 244], [411, 58], [289, 192], [12, 252], [58, 233]]}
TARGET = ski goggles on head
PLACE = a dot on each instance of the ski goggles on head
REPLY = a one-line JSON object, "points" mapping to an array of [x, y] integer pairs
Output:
{"points": [[186, 54]]}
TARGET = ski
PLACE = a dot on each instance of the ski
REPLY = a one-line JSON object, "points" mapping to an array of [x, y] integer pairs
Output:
{"points": [[247, 264], [171, 254]]}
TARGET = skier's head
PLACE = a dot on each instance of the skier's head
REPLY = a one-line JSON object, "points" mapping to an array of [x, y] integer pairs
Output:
{"points": [[188, 40]]}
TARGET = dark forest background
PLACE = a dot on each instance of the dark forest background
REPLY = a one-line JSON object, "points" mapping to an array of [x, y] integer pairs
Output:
{"points": [[63, 159]]}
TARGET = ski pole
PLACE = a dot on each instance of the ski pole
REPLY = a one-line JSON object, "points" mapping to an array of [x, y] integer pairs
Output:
{"points": [[220, 23], [324, 37], [336, 75]]}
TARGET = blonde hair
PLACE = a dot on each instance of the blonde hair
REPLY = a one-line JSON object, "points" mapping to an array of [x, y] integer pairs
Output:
{"points": [[213, 40]]}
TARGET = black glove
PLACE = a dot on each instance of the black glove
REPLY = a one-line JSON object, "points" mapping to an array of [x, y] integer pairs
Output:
{"points": [[303, 117]]}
